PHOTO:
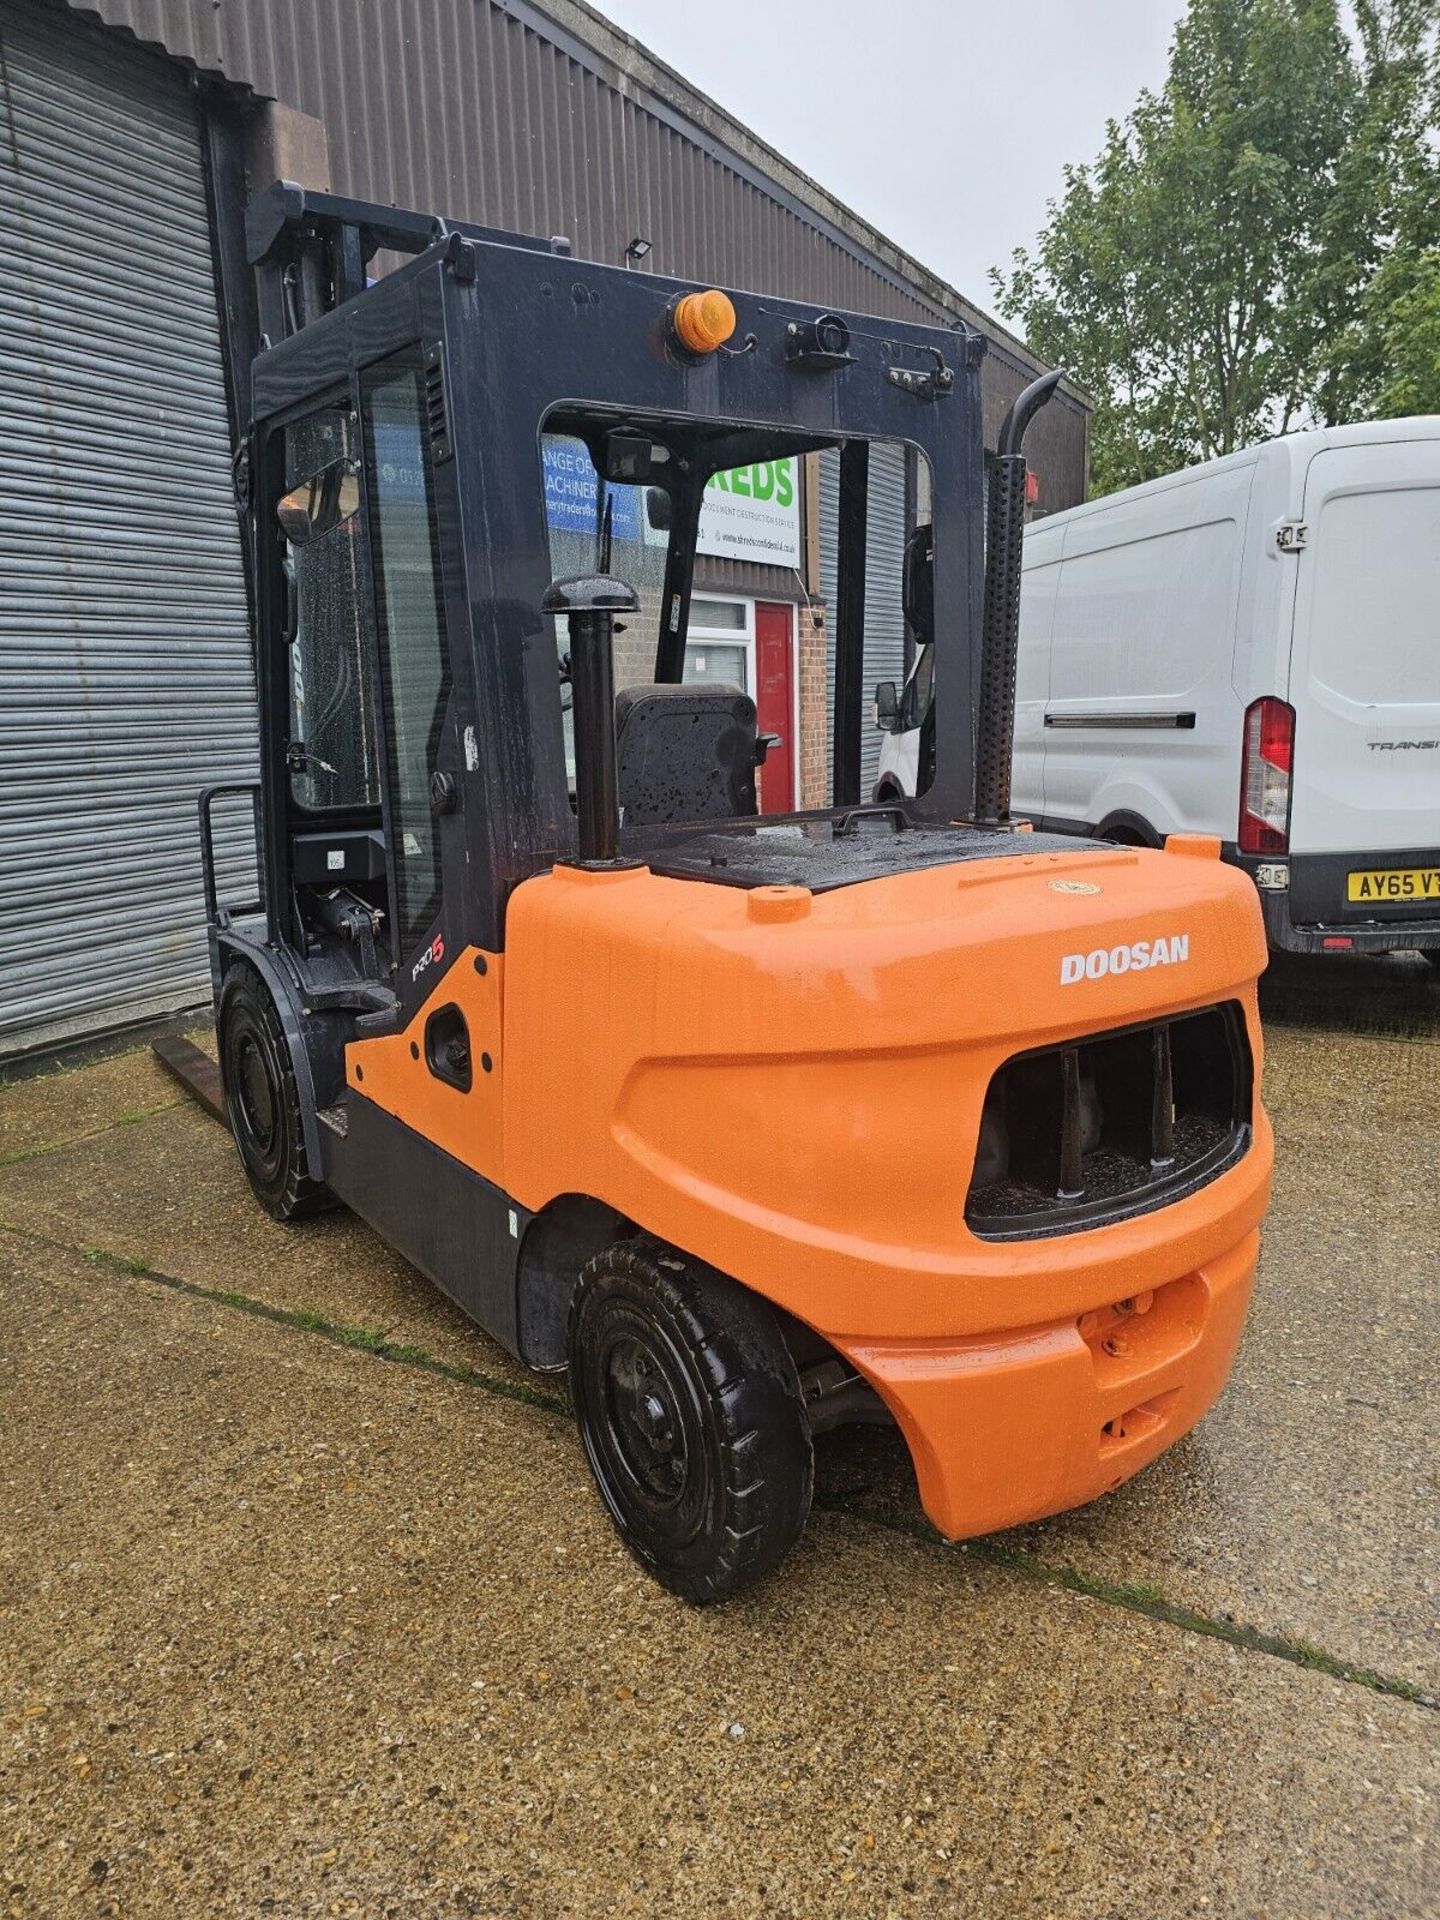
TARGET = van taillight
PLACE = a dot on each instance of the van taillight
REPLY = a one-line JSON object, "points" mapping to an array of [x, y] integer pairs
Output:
{"points": [[1265, 777]]}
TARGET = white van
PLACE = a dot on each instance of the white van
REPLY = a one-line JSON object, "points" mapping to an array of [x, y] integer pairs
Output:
{"points": [[1249, 649]]}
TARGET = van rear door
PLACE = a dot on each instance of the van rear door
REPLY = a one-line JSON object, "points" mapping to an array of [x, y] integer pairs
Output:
{"points": [[1365, 686]]}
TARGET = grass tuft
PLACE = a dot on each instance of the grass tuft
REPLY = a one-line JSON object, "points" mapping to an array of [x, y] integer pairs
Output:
{"points": [[368, 1339], [119, 1262]]}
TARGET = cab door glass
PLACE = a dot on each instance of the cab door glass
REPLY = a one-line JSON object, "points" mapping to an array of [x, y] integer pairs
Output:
{"points": [[599, 526], [415, 663], [916, 703], [332, 749]]}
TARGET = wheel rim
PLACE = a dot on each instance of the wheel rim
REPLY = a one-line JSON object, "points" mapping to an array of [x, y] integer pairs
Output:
{"points": [[646, 1430], [252, 1087], [643, 1414], [257, 1101]]}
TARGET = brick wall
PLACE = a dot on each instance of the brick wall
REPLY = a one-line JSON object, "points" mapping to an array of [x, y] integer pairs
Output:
{"points": [[814, 758]]}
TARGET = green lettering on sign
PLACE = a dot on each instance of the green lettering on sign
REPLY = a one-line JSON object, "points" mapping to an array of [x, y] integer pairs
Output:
{"points": [[763, 480]]}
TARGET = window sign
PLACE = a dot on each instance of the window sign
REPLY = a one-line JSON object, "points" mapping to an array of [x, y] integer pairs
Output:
{"points": [[750, 513], [753, 513], [572, 489]]}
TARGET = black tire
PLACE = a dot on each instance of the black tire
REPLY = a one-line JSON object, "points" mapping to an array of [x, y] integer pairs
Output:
{"points": [[690, 1412], [263, 1103], [1431, 957]]}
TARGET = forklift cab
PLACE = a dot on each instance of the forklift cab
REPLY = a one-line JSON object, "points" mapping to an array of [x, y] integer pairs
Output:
{"points": [[716, 1107], [420, 727]]}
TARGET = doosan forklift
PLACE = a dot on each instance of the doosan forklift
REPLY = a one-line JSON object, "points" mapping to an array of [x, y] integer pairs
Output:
{"points": [[757, 1123]]}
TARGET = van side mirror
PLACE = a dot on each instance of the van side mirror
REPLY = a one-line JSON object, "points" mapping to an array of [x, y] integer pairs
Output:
{"points": [[887, 706], [659, 511]]}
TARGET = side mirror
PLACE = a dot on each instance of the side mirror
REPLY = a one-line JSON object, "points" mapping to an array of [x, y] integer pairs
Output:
{"points": [[295, 516], [626, 458], [887, 705], [658, 509], [326, 500]]}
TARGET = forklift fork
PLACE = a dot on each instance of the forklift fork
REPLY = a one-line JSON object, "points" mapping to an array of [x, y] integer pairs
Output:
{"points": [[197, 1073]]}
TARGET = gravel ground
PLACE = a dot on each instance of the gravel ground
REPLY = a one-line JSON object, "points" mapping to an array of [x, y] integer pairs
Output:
{"points": [[288, 1628]]}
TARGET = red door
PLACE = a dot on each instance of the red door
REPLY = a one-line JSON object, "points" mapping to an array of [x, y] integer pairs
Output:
{"points": [[775, 703]]}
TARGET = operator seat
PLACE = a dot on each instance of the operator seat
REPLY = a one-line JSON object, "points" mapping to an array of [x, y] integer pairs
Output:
{"points": [[685, 753]]}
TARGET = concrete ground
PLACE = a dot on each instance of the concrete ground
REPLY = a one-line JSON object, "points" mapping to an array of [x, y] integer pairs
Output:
{"points": [[307, 1607]]}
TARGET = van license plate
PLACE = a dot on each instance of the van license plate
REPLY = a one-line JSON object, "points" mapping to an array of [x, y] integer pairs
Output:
{"points": [[1396, 883]]}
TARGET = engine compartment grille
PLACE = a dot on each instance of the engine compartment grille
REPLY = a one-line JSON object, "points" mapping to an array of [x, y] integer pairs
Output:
{"points": [[1095, 1130]]}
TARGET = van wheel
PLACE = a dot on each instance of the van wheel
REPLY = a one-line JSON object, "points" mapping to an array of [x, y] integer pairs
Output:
{"points": [[263, 1103], [690, 1412]]}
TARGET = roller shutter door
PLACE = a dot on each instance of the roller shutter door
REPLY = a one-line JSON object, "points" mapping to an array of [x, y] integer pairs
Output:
{"points": [[884, 588], [125, 667]]}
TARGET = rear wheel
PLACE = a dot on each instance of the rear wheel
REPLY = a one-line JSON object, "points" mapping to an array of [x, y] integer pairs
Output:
{"points": [[263, 1102], [690, 1412], [1122, 837]]}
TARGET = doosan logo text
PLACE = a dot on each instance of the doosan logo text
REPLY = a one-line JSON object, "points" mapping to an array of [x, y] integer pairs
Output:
{"points": [[1134, 957]]}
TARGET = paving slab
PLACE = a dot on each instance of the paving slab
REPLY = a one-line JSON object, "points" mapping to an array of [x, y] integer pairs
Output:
{"points": [[51, 1108], [290, 1630], [1306, 1505], [173, 1196]]}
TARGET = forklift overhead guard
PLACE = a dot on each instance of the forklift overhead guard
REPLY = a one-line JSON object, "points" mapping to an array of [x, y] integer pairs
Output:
{"points": [[756, 1121]]}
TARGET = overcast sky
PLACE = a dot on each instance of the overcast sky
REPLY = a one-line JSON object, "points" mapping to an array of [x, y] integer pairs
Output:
{"points": [[944, 125]]}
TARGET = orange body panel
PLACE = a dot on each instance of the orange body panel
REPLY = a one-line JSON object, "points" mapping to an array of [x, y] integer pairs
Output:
{"points": [[790, 1086], [393, 1072]]}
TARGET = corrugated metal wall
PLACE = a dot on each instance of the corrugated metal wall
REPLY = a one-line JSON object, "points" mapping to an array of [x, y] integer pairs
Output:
{"points": [[122, 613], [549, 120], [125, 677]]}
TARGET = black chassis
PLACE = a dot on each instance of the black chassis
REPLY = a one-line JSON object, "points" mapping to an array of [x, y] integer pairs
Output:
{"points": [[515, 330]]}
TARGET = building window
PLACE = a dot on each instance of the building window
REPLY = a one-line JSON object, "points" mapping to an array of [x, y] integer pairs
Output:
{"points": [[720, 642]]}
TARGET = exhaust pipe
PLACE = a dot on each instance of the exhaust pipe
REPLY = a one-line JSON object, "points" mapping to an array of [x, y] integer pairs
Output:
{"points": [[590, 602], [1000, 622]]}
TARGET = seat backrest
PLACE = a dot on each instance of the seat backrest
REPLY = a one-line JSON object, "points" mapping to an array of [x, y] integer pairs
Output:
{"points": [[684, 753]]}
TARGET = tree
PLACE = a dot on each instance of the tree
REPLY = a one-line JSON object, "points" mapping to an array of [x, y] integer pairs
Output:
{"points": [[1405, 299], [1384, 359], [1215, 275]]}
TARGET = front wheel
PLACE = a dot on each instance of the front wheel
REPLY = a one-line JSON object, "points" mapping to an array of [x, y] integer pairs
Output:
{"points": [[263, 1102], [691, 1416]]}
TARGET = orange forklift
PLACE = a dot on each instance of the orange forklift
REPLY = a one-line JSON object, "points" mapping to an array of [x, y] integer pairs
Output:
{"points": [[755, 1123]]}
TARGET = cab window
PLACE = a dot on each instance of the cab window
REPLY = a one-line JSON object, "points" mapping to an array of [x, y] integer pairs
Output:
{"points": [[415, 660], [332, 750]]}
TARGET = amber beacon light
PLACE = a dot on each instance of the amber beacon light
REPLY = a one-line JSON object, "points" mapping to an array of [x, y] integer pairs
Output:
{"points": [[704, 321]]}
